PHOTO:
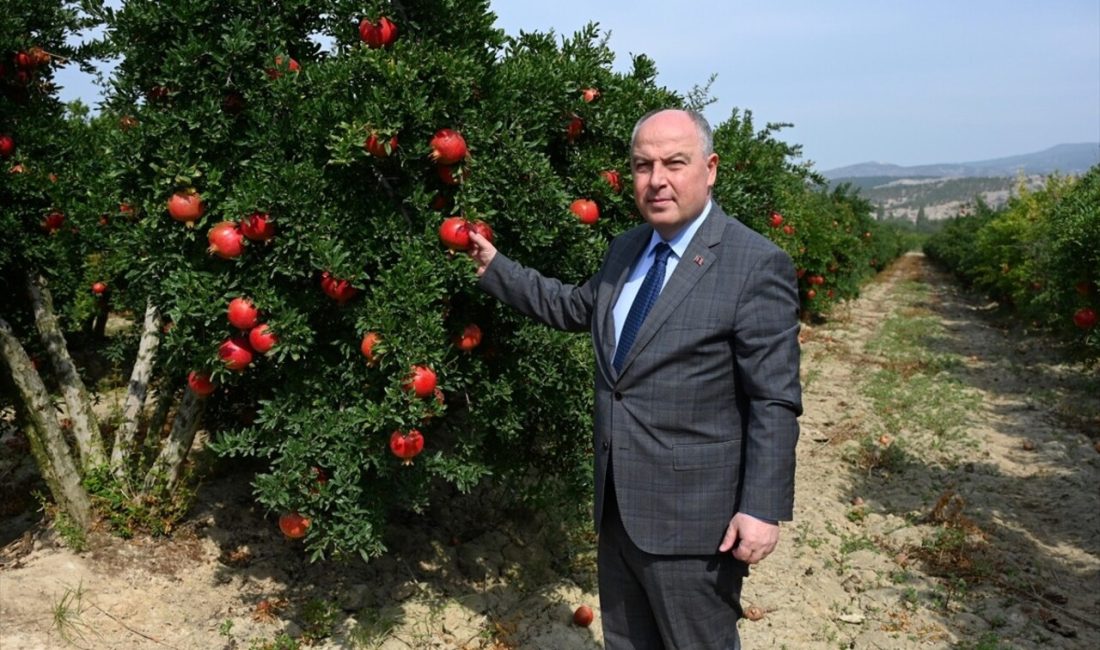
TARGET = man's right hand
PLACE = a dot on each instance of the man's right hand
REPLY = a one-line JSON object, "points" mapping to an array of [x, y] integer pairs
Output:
{"points": [[481, 251]]}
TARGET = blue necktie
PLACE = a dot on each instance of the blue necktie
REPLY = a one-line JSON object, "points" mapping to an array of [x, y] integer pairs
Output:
{"points": [[643, 302]]}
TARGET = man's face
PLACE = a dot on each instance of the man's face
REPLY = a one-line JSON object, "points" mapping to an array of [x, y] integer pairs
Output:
{"points": [[672, 178]]}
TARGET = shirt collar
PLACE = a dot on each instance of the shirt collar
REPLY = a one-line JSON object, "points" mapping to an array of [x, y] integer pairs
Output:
{"points": [[680, 241]]}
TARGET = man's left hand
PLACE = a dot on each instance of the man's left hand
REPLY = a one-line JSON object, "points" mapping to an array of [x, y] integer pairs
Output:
{"points": [[750, 539]]}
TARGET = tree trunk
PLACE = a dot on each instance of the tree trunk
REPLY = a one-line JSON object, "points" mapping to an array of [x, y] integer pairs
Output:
{"points": [[103, 311], [133, 408], [164, 393], [165, 473], [89, 441], [51, 452]]}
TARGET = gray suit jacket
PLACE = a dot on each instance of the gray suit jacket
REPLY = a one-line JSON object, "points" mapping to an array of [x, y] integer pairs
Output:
{"points": [[702, 419]]}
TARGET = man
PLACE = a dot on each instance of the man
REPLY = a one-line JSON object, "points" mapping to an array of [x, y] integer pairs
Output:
{"points": [[694, 320]]}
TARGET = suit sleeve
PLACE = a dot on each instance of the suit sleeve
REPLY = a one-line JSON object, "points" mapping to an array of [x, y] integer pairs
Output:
{"points": [[556, 304], [767, 363]]}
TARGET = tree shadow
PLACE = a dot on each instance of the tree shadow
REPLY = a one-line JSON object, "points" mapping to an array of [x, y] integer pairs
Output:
{"points": [[465, 569], [1030, 517]]}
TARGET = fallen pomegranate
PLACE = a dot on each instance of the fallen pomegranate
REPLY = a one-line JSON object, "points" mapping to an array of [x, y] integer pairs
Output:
{"points": [[226, 240], [242, 313], [586, 210], [406, 445], [186, 206], [448, 147], [235, 353], [199, 383], [258, 227], [293, 525], [339, 290], [262, 339], [421, 381], [582, 616]]}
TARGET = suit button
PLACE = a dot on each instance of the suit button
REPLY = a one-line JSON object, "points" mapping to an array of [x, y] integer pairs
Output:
{"points": [[606, 445], [618, 396]]}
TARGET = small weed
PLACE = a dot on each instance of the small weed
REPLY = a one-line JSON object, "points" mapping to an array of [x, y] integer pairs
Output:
{"points": [[900, 576], [281, 642], [880, 453], [71, 534], [67, 616], [318, 618], [803, 534], [851, 543], [375, 626], [129, 514], [988, 641]]}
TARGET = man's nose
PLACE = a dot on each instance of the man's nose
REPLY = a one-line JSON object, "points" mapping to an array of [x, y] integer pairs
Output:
{"points": [[657, 176]]}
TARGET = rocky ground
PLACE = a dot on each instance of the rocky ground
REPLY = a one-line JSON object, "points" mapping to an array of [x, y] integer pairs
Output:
{"points": [[953, 508]]}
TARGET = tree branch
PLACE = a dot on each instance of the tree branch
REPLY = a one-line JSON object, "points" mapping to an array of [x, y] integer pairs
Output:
{"points": [[89, 441], [51, 451], [133, 407]]}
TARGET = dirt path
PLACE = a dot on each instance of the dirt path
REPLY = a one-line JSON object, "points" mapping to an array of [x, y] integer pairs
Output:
{"points": [[957, 509]]}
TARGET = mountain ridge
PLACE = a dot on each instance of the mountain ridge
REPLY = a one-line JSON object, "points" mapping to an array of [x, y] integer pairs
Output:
{"points": [[1066, 158]]}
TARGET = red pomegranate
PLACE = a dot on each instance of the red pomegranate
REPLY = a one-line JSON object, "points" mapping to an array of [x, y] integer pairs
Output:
{"points": [[186, 206], [378, 148], [370, 339], [448, 147], [293, 525], [258, 227], [469, 339], [200, 383], [339, 290], [406, 445], [421, 381], [243, 314], [586, 210], [382, 34], [226, 240], [235, 353], [262, 339]]}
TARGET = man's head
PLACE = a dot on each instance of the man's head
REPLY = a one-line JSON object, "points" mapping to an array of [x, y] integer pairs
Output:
{"points": [[674, 165]]}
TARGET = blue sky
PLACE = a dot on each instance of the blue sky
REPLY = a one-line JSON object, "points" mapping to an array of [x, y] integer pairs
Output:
{"points": [[909, 82]]}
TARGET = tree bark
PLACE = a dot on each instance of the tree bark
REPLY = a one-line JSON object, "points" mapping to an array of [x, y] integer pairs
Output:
{"points": [[51, 452], [133, 408], [165, 473], [89, 441]]}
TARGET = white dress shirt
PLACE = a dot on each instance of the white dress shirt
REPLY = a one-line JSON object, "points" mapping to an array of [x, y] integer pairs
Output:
{"points": [[678, 244]]}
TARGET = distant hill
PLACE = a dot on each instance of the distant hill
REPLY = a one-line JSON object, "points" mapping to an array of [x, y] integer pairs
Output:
{"points": [[1063, 158]]}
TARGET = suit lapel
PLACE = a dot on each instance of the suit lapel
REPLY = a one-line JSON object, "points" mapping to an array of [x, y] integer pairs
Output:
{"points": [[698, 259], [617, 269]]}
